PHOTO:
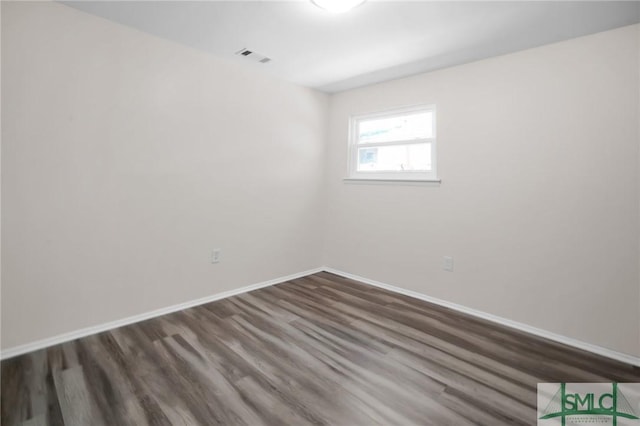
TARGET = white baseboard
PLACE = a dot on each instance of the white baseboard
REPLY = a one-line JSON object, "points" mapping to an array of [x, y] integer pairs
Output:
{"points": [[65, 337], [618, 356]]}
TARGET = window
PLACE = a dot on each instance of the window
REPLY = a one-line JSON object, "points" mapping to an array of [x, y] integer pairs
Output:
{"points": [[394, 145]]}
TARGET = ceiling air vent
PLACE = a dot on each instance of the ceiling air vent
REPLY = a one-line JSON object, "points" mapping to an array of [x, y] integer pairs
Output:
{"points": [[255, 57]]}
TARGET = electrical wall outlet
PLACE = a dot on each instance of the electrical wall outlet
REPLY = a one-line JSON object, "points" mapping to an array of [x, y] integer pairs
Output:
{"points": [[447, 263], [215, 255]]}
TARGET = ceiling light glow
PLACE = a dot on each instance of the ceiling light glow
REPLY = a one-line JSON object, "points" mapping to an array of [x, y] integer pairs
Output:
{"points": [[337, 6]]}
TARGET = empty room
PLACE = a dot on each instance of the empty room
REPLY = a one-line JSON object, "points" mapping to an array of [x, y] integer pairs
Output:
{"points": [[320, 212]]}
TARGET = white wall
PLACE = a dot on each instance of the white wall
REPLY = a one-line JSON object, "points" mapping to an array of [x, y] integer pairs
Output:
{"points": [[0, 181], [538, 155], [127, 158]]}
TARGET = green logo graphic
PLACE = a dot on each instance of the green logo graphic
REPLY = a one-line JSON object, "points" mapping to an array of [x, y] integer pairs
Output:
{"points": [[564, 405]]}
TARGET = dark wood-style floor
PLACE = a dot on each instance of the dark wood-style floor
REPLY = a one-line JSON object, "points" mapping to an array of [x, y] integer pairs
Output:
{"points": [[318, 350]]}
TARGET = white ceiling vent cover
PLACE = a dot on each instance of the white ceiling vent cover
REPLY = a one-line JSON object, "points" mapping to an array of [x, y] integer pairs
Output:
{"points": [[255, 57]]}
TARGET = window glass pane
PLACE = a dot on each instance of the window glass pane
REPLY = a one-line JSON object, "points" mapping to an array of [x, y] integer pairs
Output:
{"points": [[415, 157], [400, 128]]}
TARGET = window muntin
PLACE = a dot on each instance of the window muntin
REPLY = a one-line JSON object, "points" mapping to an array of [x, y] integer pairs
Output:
{"points": [[397, 144]]}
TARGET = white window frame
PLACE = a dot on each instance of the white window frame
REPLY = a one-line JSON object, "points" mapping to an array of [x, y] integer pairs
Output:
{"points": [[394, 175]]}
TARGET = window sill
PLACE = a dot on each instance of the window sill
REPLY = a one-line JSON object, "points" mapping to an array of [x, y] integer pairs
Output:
{"points": [[365, 181]]}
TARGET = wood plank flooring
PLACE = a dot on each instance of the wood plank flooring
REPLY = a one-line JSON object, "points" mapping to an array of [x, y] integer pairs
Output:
{"points": [[319, 350]]}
